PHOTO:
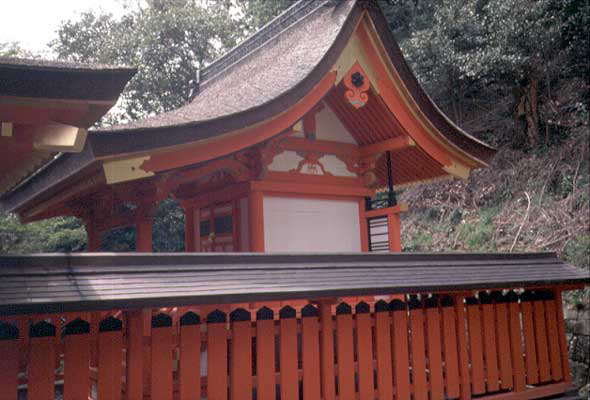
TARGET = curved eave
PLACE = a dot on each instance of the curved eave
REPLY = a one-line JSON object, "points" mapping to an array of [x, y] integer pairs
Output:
{"points": [[449, 133]]}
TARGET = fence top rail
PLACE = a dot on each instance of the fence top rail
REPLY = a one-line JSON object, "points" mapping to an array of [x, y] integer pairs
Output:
{"points": [[101, 281]]}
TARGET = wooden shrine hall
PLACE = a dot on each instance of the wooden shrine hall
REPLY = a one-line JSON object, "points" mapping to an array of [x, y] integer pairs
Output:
{"points": [[292, 284]]}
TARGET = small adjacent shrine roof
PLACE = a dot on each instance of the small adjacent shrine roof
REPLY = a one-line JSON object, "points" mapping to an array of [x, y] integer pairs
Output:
{"points": [[45, 108], [67, 282]]}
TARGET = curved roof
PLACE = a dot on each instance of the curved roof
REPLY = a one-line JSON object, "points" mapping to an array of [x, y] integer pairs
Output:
{"points": [[262, 78]]}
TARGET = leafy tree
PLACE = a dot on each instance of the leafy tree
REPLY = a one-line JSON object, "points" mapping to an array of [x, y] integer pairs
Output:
{"points": [[256, 13], [167, 40]]}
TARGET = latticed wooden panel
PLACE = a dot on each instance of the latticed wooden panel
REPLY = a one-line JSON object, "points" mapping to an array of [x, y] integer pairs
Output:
{"points": [[429, 346]]}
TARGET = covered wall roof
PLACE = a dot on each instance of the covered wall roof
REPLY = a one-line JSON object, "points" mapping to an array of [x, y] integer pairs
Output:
{"points": [[56, 283], [258, 81]]}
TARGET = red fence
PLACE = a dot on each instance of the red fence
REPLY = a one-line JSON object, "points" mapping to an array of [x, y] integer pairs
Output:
{"points": [[493, 345]]}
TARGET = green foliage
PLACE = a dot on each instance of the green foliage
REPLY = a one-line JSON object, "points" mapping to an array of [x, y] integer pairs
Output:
{"points": [[14, 50], [63, 234], [167, 40], [258, 12], [168, 230]]}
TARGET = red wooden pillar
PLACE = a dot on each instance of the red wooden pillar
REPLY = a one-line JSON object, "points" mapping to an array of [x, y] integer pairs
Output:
{"points": [[143, 234], [135, 364], [189, 374], [364, 226], [327, 351], [310, 352], [77, 360], [241, 355], [93, 235], [265, 354], [189, 229], [9, 361], [110, 362], [256, 221], [42, 362], [394, 229]]}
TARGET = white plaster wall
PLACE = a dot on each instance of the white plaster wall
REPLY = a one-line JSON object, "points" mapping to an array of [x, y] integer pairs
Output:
{"points": [[285, 161], [310, 225], [335, 166], [329, 127]]}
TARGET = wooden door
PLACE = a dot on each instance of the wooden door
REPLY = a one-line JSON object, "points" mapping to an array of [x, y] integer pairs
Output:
{"points": [[218, 228]]}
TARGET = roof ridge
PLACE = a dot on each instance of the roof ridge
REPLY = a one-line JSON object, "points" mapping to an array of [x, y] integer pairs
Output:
{"points": [[270, 30]]}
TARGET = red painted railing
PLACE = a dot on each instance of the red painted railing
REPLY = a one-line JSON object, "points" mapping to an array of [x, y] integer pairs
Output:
{"points": [[491, 344]]}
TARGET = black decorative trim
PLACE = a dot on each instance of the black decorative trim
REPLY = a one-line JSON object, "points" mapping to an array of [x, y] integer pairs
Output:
{"points": [[471, 301], [42, 329], [343, 308], [381, 306], [8, 331], [362, 308], [265, 314], [77, 327], [527, 295], [287, 312], [485, 298], [414, 303], [397, 305], [310, 311], [432, 301], [110, 324], [161, 321], [497, 296], [216, 317], [447, 301], [511, 297], [239, 315], [190, 318]]}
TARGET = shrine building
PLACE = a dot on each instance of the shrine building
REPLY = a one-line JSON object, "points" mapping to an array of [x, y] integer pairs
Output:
{"points": [[287, 158]]}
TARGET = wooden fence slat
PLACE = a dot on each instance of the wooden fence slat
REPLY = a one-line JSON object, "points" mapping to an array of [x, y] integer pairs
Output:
{"points": [[9, 361], [460, 316], [241, 355], [216, 356], [434, 348], [42, 362], [532, 369], [399, 344], [161, 359], [134, 355], [77, 360], [265, 354], [364, 345], [489, 340], [110, 359], [453, 383], [310, 352], [418, 349], [345, 351], [327, 352], [518, 368], [503, 340], [288, 354], [383, 350], [189, 369], [565, 363], [541, 339], [553, 336], [475, 346]]}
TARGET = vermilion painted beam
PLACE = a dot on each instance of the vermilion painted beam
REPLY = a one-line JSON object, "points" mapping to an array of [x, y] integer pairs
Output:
{"points": [[321, 146], [397, 143], [305, 188], [231, 143]]}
